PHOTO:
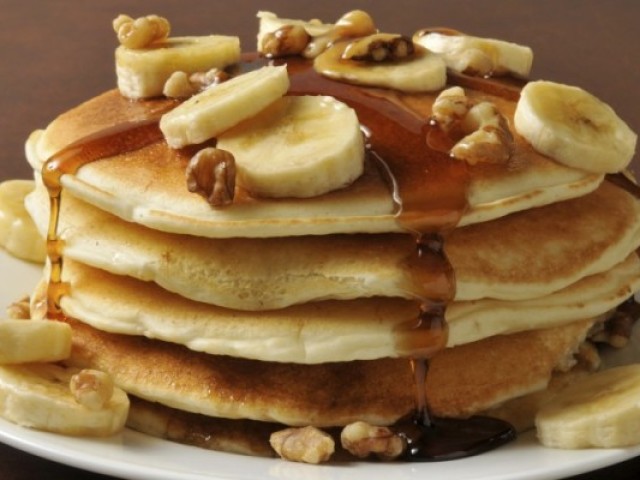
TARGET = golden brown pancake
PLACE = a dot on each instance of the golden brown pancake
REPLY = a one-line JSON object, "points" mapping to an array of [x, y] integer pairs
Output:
{"points": [[546, 249], [147, 186], [327, 331], [329, 394]]}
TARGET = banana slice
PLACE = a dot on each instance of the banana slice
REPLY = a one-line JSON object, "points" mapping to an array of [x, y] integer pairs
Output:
{"points": [[601, 410], [143, 72], [18, 233], [298, 147], [23, 341], [222, 106], [39, 396], [480, 56], [573, 127], [422, 72]]}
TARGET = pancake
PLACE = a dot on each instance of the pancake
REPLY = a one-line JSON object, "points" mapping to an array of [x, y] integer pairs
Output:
{"points": [[147, 185], [547, 249], [250, 437], [328, 331], [377, 391]]}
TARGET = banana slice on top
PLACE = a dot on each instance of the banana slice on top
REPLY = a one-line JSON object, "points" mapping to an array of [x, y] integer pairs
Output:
{"points": [[142, 72], [601, 410], [40, 396], [18, 233], [423, 71], [480, 56], [222, 106], [23, 341], [298, 147], [573, 127]]}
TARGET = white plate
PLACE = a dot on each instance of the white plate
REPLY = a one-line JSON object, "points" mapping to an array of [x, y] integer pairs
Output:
{"points": [[135, 456]]}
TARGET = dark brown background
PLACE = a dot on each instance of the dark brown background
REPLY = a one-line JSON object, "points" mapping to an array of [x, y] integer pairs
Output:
{"points": [[56, 54]]}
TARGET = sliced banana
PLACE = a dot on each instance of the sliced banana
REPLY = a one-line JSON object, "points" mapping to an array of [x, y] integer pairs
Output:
{"points": [[298, 147], [480, 56], [18, 234], [422, 72], [216, 109], [601, 410], [573, 127], [39, 396], [143, 72], [23, 341]]}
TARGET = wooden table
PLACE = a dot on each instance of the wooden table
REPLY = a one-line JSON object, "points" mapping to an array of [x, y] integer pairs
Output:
{"points": [[54, 55]]}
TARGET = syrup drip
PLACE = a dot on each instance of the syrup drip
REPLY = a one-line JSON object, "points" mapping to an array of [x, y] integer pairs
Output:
{"points": [[430, 191], [116, 140]]}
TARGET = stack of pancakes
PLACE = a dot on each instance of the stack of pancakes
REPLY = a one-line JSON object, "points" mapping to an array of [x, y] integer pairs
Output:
{"points": [[224, 324]]}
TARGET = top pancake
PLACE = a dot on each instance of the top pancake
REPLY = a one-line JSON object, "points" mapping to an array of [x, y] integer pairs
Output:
{"points": [[148, 185]]}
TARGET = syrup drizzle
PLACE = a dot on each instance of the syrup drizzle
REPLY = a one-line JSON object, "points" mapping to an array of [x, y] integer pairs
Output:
{"points": [[430, 191], [120, 138]]}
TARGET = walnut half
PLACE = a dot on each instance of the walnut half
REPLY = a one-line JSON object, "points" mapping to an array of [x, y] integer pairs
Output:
{"points": [[482, 132], [362, 439], [141, 32], [212, 173], [287, 40], [92, 388], [307, 444]]}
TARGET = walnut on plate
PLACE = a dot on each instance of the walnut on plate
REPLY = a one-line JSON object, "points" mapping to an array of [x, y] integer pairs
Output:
{"points": [[362, 439], [306, 444]]}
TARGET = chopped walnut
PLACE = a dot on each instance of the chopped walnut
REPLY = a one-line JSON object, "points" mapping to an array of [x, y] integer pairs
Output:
{"points": [[450, 107], [92, 388], [615, 331], [588, 356], [490, 140], [353, 24], [379, 47], [181, 85], [19, 310], [362, 439], [486, 135], [212, 173], [287, 40], [141, 32], [307, 444]]}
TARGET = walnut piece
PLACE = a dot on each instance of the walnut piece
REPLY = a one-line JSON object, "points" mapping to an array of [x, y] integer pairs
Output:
{"points": [[141, 32], [19, 310], [379, 47], [212, 173], [362, 439], [353, 24], [91, 388], [450, 107], [486, 137], [307, 444], [616, 330], [181, 85], [287, 40]]}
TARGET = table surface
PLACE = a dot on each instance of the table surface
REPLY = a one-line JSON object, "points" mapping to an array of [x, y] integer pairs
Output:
{"points": [[56, 54]]}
